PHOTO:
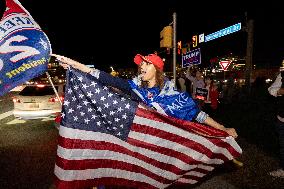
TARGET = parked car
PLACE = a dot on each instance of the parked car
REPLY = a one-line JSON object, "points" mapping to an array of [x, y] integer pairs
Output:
{"points": [[38, 101]]}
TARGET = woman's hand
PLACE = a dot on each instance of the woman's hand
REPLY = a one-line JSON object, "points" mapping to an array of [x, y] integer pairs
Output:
{"points": [[231, 131], [67, 62], [280, 91]]}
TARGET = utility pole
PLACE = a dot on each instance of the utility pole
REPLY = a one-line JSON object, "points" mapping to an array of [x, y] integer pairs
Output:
{"points": [[248, 72], [174, 46]]}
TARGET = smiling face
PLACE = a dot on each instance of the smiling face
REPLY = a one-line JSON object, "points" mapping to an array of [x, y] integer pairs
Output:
{"points": [[148, 73]]}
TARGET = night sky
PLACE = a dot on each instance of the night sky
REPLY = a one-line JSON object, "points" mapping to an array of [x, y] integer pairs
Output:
{"points": [[110, 33]]}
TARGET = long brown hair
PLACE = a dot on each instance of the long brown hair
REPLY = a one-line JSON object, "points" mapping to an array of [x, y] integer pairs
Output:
{"points": [[160, 78]]}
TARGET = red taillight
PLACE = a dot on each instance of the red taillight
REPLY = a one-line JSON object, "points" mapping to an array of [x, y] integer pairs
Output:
{"points": [[16, 100], [55, 99], [62, 98], [58, 118], [40, 85]]}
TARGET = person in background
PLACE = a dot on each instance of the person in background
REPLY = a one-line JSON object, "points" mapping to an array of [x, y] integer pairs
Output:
{"points": [[153, 89], [276, 89], [181, 83], [211, 101], [230, 88], [196, 79], [198, 85]]}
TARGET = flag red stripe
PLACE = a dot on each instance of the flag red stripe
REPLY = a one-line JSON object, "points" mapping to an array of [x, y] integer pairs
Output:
{"points": [[106, 163], [99, 145], [182, 124], [107, 181], [177, 139], [165, 151], [226, 145], [186, 125], [202, 170]]}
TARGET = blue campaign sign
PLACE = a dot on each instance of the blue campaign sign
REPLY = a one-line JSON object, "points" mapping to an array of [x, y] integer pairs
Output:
{"points": [[223, 32], [24, 48], [191, 57]]}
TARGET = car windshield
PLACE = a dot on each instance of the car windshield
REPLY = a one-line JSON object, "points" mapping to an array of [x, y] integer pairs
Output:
{"points": [[37, 91]]}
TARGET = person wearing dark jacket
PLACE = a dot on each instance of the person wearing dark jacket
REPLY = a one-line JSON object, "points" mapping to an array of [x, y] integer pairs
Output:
{"points": [[277, 90]]}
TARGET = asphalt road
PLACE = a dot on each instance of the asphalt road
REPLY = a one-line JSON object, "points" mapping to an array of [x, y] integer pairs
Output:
{"points": [[27, 150]]}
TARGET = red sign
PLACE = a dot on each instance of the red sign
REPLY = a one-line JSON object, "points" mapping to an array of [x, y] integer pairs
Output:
{"points": [[225, 64]]}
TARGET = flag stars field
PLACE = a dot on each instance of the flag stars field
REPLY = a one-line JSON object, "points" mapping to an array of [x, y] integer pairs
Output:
{"points": [[80, 79], [106, 105], [66, 103], [81, 96], [93, 83], [85, 86], [75, 118], [70, 110], [89, 94]]}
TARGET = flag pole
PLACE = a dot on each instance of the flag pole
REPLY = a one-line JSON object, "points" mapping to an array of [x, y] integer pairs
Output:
{"points": [[54, 89], [238, 163]]}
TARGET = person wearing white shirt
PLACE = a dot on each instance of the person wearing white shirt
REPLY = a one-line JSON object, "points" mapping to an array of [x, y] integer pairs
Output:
{"points": [[197, 80]]}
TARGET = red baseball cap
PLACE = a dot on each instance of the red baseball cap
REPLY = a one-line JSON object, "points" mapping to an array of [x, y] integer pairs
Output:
{"points": [[150, 58]]}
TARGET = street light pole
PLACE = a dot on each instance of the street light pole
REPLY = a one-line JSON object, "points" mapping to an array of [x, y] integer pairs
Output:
{"points": [[54, 89], [249, 52], [174, 46]]}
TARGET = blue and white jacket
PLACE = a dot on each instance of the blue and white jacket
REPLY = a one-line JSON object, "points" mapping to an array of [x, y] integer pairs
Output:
{"points": [[167, 101]]}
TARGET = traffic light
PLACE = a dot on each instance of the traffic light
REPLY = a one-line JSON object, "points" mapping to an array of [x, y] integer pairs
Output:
{"points": [[194, 41], [166, 36], [179, 47]]}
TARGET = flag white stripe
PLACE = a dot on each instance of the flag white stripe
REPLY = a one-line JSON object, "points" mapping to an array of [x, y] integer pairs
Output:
{"points": [[175, 146], [71, 175], [89, 135], [81, 154], [205, 167], [195, 173], [187, 181], [233, 144], [194, 137]]}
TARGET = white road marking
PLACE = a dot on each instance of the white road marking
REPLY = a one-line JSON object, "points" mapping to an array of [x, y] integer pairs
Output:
{"points": [[48, 119], [16, 121], [6, 114]]}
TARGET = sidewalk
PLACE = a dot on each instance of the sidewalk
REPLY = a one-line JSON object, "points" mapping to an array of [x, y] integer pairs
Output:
{"points": [[253, 174]]}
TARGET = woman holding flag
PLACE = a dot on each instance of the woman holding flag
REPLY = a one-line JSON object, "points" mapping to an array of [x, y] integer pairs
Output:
{"points": [[153, 89]]}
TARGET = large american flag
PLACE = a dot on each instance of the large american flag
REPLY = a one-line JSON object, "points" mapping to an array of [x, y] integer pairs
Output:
{"points": [[108, 139]]}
